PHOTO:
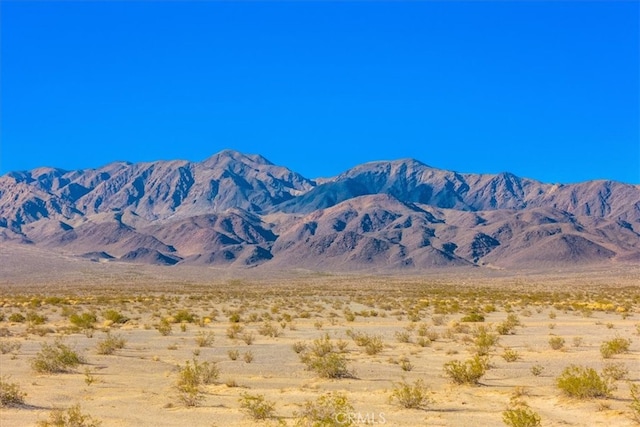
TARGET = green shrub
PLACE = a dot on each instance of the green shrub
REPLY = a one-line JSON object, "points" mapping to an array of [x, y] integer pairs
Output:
{"points": [[35, 319], [256, 406], [507, 327], [467, 372], [510, 355], [56, 358], [473, 317], [536, 370], [411, 396], [10, 393], [9, 346], [521, 416], [205, 339], [484, 340], [164, 327], [84, 320], [191, 377], [615, 371], [72, 417], [184, 316], [110, 344], [115, 317], [328, 410], [635, 401], [17, 318], [583, 383], [615, 346], [556, 343]]}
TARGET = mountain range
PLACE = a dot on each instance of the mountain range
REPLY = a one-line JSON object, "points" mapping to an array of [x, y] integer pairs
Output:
{"points": [[240, 210]]}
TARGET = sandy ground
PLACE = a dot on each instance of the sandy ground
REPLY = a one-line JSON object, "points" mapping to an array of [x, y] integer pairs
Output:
{"points": [[135, 386]]}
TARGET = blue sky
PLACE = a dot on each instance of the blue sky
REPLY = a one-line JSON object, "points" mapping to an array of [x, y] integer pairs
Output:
{"points": [[547, 90]]}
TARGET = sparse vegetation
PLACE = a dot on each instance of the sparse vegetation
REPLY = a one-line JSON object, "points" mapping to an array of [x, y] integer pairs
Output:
{"points": [[10, 393], [411, 396], [615, 346], [328, 410], [71, 417], [467, 372], [583, 383], [56, 358], [256, 406], [110, 344]]}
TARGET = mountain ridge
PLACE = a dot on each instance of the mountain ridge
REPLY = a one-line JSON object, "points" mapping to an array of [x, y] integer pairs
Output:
{"points": [[241, 210]]}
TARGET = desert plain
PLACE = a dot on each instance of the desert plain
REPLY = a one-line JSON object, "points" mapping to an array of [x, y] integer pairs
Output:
{"points": [[160, 346]]}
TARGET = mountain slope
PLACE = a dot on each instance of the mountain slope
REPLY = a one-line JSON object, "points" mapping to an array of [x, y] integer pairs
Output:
{"points": [[240, 210]]}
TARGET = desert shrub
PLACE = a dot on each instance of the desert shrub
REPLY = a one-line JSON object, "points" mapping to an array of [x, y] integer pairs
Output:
{"points": [[233, 354], [35, 319], [72, 417], [114, 316], [521, 416], [9, 346], [205, 339], [248, 357], [234, 330], [328, 410], [474, 316], [330, 365], [374, 346], [536, 370], [84, 320], [615, 346], [164, 327], [467, 372], [403, 336], [184, 316], [510, 355], [556, 343], [17, 318], [635, 401], [411, 396], [299, 347], [256, 406], [191, 377], [583, 383], [484, 340], [110, 344], [508, 325], [405, 364], [269, 329], [56, 358], [248, 337], [10, 393], [615, 371]]}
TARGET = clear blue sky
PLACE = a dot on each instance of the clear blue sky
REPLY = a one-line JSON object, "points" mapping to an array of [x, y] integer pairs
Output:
{"points": [[547, 90]]}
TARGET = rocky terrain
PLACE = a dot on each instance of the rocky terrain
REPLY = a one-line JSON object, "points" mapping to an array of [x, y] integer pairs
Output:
{"points": [[241, 210]]}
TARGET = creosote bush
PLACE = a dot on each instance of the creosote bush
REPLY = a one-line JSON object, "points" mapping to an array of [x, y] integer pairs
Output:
{"points": [[323, 359], [411, 396], [583, 383], [191, 377], [56, 358], [615, 346], [328, 410], [205, 339], [10, 393], [110, 344], [256, 406], [520, 416], [467, 372], [72, 417], [634, 389]]}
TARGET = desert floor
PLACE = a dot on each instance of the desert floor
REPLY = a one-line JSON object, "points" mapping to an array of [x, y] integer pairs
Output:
{"points": [[167, 320]]}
